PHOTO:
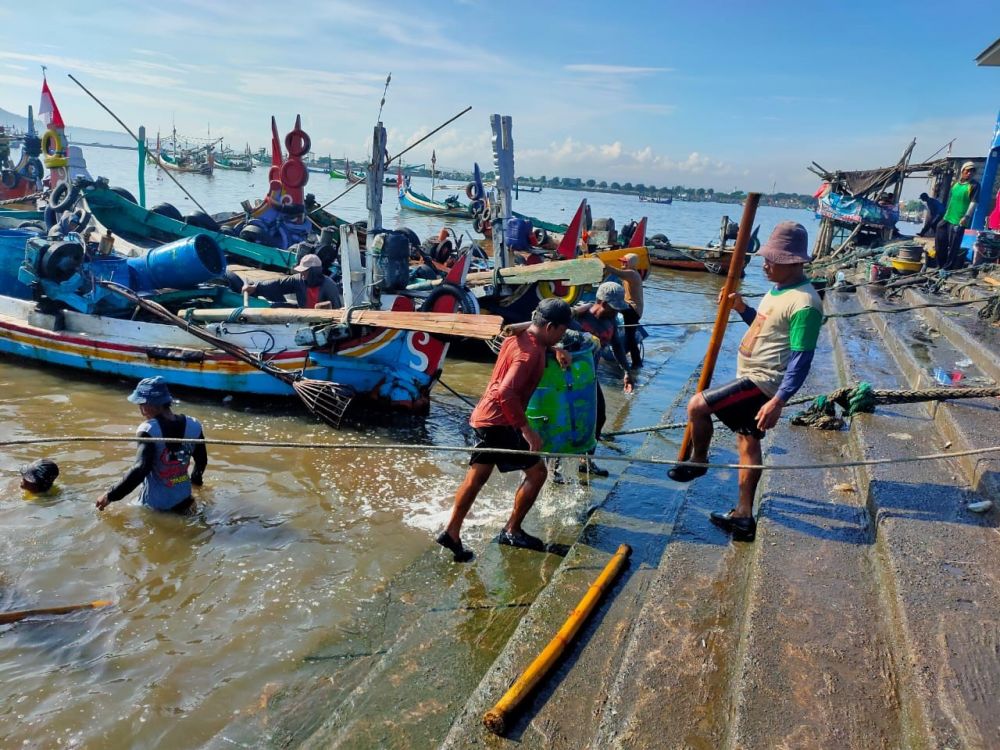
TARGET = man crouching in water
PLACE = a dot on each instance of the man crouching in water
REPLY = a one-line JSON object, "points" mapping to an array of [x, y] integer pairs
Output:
{"points": [[161, 466], [500, 422]]}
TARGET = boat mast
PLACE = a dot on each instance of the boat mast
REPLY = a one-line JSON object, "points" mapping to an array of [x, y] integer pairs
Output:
{"points": [[376, 172]]}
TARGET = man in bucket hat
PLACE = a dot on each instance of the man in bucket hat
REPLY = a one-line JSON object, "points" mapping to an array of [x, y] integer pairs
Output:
{"points": [[948, 253], [161, 465], [774, 358]]}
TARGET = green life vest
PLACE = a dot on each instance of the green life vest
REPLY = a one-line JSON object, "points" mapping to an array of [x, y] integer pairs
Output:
{"points": [[958, 202]]}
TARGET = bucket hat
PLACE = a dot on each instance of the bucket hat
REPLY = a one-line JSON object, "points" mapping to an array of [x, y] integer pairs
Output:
{"points": [[152, 391], [41, 474], [307, 262], [788, 244], [612, 294]]}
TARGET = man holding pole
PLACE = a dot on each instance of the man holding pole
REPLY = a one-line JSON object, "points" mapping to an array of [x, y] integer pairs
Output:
{"points": [[774, 358]]}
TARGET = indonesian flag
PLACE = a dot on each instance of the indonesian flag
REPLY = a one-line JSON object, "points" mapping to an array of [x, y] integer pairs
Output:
{"points": [[47, 108]]}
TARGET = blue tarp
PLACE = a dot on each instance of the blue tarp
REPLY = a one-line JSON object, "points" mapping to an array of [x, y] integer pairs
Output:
{"points": [[857, 210]]}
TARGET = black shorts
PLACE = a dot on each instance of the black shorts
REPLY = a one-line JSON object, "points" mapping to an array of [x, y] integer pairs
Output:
{"points": [[502, 437], [736, 405]]}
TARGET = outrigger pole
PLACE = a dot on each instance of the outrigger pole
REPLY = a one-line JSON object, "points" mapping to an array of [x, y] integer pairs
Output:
{"points": [[135, 138], [391, 159]]}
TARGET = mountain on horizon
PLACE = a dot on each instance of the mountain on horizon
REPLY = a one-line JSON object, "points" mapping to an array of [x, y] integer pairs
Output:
{"points": [[75, 135]]}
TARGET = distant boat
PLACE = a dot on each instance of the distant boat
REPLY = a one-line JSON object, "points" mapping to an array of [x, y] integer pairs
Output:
{"points": [[649, 199], [414, 201]]}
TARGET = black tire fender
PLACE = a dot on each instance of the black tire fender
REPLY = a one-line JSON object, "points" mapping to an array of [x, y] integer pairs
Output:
{"points": [[467, 302], [63, 196]]}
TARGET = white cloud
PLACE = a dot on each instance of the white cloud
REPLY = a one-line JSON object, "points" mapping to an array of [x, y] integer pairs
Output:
{"points": [[626, 70]]}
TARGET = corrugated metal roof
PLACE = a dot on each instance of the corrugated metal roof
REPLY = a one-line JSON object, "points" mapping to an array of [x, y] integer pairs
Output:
{"points": [[990, 55]]}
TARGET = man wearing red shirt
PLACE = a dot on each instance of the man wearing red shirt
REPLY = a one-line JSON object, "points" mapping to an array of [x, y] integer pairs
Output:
{"points": [[500, 422]]}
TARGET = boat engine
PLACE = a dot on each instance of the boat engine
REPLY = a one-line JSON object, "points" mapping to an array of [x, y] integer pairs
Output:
{"points": [[62, 270]]}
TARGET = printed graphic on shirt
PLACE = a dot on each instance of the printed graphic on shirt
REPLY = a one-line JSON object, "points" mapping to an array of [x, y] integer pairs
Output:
{"points": [[750, 337], [172, 468]]}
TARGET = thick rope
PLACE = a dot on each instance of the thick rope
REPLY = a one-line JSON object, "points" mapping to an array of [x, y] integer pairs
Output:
{"points": [[854, 400], [471, 449], [22, 199]]}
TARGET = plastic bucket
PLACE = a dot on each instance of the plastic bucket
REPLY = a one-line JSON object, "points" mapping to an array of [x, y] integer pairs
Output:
{"points": [[180, 265], [563, 408]]}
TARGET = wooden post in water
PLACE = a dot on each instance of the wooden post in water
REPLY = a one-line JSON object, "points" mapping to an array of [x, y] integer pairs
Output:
{"points": [[141, 144], [376, 173], [725, 306], [503, 161]]}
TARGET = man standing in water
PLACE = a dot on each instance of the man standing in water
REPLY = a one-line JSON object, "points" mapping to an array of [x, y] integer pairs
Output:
{"points": [[774, 359], [161, 465], [948, 254], [499, 422]]}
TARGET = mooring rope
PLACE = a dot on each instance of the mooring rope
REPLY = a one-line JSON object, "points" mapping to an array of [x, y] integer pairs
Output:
{"points": [[853, 399], [417, 447], [852, 314]]}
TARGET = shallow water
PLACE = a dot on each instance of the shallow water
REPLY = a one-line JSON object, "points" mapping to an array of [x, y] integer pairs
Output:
{"points": [[287, 546]]}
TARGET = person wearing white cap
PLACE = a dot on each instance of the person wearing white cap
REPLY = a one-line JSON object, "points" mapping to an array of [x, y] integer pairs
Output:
{"points": [[962, 201], [310, 287]]}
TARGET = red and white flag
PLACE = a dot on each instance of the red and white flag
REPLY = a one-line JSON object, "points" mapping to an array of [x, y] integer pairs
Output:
{"points": [[47, 108]]}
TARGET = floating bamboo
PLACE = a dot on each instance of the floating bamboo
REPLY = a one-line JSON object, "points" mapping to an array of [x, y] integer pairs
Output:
{"points": [[446, 324], [496, 718], [725, 306], [9, 617]]}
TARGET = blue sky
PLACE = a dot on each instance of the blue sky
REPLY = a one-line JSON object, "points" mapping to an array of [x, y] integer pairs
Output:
{"points": [[723, 94]]}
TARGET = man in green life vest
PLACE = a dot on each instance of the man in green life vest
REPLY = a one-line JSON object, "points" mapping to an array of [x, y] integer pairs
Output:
{"points": [[957, 217]]}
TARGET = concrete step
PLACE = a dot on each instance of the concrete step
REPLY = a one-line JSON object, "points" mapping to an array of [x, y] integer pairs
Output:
{"points": [[636, 676], [961, 326], [411, 695], [816, 668], [918, 346], [937, 562]]}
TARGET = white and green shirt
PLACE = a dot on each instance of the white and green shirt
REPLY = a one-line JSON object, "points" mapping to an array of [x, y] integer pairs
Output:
{"points": [[788, 320]]}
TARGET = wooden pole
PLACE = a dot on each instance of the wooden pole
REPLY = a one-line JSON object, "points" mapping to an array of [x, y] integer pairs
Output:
{"points": [[725, 306], [142, 165], [391, 159], [496, 718]]}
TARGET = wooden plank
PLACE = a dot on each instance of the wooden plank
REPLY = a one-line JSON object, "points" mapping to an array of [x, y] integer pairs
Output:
{"points": [[573, 272], [447, 324]]}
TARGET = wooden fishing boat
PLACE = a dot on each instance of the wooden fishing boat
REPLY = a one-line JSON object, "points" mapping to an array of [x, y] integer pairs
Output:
{"points": [[25, 177], [71, 319], [21, 217], [414, 201], [144, 227], [178, 164], [691, 257], [231, 161]]}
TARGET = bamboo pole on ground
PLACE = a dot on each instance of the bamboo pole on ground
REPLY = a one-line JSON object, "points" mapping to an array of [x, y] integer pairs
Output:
{"points": [[496, 718], [725, 306]]}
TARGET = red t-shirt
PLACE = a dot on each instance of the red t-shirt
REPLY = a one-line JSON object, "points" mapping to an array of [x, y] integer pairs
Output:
{"points": [[515, 376], [312, 296]]}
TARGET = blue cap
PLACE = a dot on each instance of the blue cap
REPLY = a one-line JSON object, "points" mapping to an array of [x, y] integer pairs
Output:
{"points": [[152, 391]]}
